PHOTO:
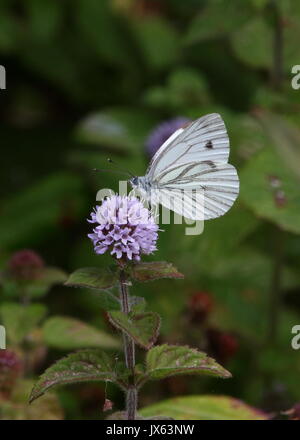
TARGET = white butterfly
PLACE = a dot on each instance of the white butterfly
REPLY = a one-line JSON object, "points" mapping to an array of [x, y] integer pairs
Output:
{"points": [[190, 173]]}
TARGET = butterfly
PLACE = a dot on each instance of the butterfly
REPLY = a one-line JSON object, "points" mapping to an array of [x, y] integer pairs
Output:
{"points": [[190, 173]]}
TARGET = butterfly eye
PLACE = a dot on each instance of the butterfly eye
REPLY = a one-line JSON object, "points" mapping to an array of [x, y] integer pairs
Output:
{"points": [[134, 181]]}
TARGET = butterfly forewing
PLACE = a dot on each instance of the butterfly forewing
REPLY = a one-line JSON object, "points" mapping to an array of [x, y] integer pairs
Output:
{"points": [[204, 139], [190, 173]]}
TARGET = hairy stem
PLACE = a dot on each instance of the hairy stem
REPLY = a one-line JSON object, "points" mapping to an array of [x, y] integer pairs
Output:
{"points": [[129, 352]]}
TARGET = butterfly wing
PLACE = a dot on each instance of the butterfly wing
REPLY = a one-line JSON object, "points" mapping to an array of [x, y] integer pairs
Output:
{"points": [[204, 139], [190, 170], [199, 191]]}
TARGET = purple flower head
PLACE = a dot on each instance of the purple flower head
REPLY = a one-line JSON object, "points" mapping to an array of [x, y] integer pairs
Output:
{"points": [[11, 368], [162, 132], [25, 265], [123, 227]]}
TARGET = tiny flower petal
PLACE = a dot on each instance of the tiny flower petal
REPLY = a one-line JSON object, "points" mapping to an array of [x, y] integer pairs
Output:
{"points": [[125, 228]]}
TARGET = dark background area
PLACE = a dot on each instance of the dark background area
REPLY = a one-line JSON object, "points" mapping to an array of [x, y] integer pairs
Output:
{"points": [[90, 79]]}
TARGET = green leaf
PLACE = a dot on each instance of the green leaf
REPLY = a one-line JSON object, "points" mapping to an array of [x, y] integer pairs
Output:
{"points": [[9, 30], [17, 408], [274, 192], [93, 278], [204, 408], [19, 320], [98, 279], [285, 137], [34, 288], [186, 89], [49, 277], [43, 19], [137, 304], [143, 328], [218, 19], [153, 271], [83, 366], [158, 42], [67, 334], [103, 31], [169, 360], [253, 43]]}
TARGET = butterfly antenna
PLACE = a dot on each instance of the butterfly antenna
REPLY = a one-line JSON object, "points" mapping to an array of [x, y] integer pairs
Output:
{"points": [[119, 168]]}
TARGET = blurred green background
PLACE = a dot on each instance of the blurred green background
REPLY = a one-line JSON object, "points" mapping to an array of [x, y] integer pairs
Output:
{"points": [[90, 79]]}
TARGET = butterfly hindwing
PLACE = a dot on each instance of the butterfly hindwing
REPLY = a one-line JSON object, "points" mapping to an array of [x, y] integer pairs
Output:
{"points": [[208, 188]]}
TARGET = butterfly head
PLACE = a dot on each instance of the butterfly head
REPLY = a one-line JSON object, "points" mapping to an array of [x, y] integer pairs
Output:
{"points": [[134, 182], [141, 185]]}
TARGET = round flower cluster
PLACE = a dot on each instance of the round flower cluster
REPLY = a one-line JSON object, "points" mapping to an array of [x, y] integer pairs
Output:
{"points": [[10, 370], [125, 228], [25, 265], [162, 132]]}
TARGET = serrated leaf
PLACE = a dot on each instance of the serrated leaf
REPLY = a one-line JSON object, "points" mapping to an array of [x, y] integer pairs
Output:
{"points": [[68, 333], [83, 366], [143, 328], [154, 271], [93, 278], [204, 408], [169, 360], [19, 320]]}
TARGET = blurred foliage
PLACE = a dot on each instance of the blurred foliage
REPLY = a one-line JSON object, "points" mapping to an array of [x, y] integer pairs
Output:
{"points": [[88, 79], [204, 408]]}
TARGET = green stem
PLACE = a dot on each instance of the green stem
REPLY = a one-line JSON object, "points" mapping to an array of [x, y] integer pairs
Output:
{"points": [[129, 351]]}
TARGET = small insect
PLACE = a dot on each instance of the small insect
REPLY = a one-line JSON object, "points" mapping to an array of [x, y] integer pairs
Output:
{"points": [[190, 174]]}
